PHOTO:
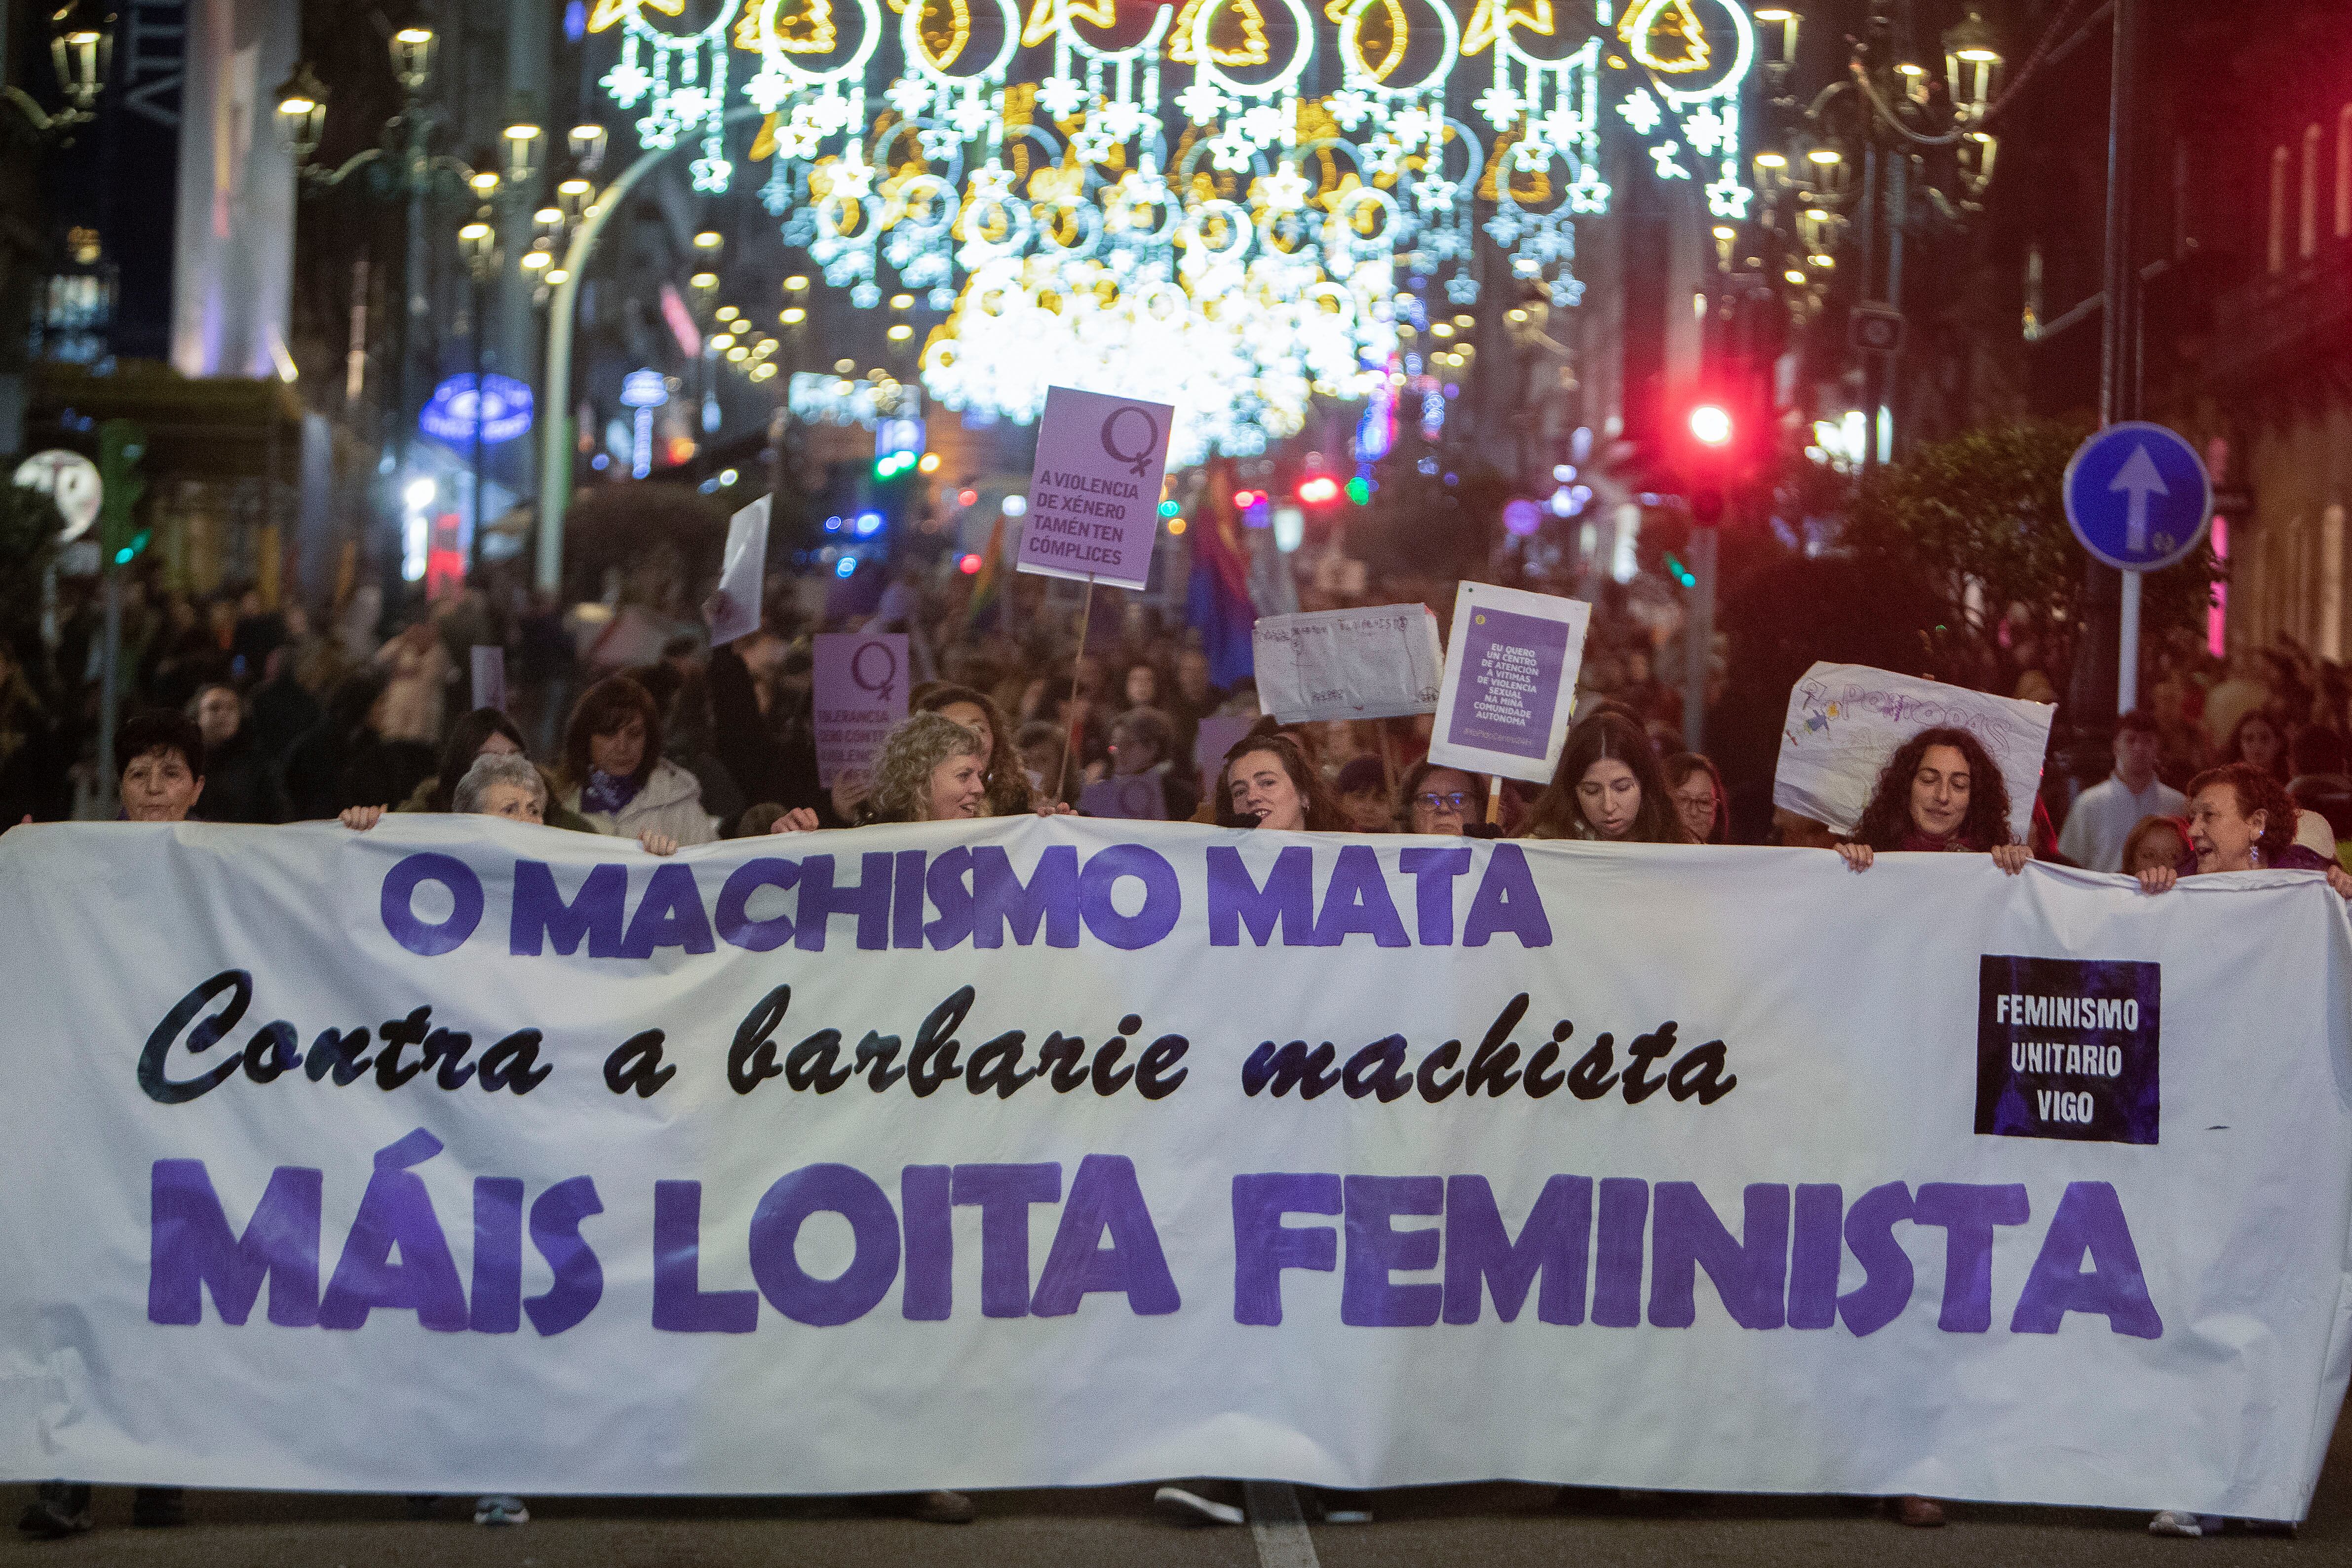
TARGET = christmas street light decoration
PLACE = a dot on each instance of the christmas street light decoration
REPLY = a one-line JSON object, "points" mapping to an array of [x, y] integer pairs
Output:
{"points": [[1127, 182]]}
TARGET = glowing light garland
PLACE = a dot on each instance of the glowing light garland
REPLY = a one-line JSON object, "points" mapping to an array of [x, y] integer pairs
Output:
{"points": [[1180, 206]]}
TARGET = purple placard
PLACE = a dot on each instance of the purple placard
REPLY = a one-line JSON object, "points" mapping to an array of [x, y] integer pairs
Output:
{"points": [[1133, 797], [1220, 733], [1094, 496], [1511, 672], [860, 692]]}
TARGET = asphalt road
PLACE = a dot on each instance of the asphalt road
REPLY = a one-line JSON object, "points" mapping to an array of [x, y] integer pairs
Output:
{"points": [[1490, 1526]]}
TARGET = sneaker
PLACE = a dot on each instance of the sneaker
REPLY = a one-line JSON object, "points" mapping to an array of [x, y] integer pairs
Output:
{"points": [[51, 1519], [2177, 1521], [1919, 1512], [944, 1507], [1192, 1508], [500, 1511]]}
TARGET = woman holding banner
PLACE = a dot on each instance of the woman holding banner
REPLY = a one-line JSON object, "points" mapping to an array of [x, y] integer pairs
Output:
{"points": [[1608, 787], [931, 769], [1940, 792], [2240, 818], [1267, 782], [1005, 784]]}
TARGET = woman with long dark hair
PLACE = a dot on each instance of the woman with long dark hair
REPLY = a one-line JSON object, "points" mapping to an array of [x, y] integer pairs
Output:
{"points": [[1940, 792], [2259, 743], [1608, 787]]}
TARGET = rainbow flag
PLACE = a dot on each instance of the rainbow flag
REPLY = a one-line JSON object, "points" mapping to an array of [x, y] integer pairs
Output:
{"points": [[1217, 602], [985, 585]]}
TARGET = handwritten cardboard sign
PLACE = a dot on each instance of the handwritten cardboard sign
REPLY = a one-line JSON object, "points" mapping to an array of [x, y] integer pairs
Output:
{"points": [[1846, 720], [1510, 676], [1377, 662], [1094, 496], [860, 691]]}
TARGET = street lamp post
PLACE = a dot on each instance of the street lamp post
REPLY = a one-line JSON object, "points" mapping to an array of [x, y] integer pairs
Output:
{"points": [[554, 493], [407, 137], [479, 242], [1856, 157]]}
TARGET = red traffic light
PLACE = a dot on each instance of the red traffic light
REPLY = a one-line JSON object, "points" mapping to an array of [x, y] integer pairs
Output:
{"points": [[1711, 425], [969, 565], [1318, 490]]}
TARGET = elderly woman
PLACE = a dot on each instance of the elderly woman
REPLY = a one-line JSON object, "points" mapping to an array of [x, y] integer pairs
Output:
{"points": [[484, 732], [1939, 792], [502, 784], [2242, 819], [614, 774], [1435, 799]]}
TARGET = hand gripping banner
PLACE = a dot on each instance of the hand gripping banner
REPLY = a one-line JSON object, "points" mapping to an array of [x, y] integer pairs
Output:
{"points": [[461, 1155]]}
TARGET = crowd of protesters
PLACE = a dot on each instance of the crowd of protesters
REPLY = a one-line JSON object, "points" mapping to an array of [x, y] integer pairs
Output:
{"points": [[628, 723]]}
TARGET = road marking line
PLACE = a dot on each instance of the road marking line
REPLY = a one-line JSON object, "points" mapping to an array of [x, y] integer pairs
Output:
{"points": [[1277, 1526]]}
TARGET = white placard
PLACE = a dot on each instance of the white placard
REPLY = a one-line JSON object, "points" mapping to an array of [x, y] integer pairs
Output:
{"points": [[1845, 721], [734, 610], [1378, 662], [1511, 662], [1094, 496]]}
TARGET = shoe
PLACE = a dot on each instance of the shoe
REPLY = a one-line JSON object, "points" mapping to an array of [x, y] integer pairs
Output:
{"points": [[500, 1511], [2179, 1521], [1919, 1512], [159, 1507], [1192, 1508], [945, 1508], [50, 1519]]}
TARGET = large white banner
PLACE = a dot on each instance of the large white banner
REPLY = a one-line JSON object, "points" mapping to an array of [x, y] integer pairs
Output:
{"points": [[463, 1156]]}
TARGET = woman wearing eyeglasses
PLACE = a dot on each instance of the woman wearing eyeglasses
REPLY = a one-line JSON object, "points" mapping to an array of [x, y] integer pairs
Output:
{"points": [[1436, 800]]}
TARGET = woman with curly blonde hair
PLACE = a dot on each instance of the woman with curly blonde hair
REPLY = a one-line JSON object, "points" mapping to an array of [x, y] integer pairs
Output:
{"points": [[930, 769]]}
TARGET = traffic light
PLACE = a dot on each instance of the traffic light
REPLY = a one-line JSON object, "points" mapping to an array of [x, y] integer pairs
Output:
{"points": [[121, 446], [1711, 425], [1318, 489], [1709, 442]]}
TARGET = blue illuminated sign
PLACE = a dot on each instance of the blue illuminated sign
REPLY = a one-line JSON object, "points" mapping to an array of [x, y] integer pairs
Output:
{"points": [[450, 414]]}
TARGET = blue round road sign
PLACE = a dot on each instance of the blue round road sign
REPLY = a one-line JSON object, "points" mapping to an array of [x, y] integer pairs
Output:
{"points": [[2138, 497]]}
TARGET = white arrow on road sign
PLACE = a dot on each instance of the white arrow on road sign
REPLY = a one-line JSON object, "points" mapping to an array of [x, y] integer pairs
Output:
{"points": [[2139, 478]]}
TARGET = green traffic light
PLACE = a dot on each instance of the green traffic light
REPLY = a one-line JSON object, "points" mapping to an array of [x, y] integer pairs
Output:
{"points": [[1360, 490]]}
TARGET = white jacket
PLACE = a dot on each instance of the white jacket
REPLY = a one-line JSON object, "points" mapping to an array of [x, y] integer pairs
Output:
{"points": [[671, 803]]}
